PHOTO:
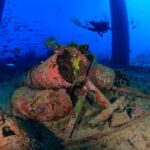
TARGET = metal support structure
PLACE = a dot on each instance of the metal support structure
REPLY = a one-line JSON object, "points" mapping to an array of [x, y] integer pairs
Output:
{"points": [[120, 33], [2, 3]]}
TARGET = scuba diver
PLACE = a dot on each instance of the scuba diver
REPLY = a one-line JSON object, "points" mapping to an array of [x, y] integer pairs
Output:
{"points": [[100, 27]]}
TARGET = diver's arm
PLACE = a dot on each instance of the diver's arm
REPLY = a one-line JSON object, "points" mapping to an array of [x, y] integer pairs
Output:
{"points": [[91, 29]]}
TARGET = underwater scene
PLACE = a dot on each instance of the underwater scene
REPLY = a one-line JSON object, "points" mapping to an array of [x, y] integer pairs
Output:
{"points": [[74, 75]]}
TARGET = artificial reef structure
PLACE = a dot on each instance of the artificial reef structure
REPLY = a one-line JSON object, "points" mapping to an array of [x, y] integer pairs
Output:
{"points": [[84, 103]]}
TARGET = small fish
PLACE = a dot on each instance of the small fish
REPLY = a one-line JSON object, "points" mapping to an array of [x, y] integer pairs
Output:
{"points": [[10, 65], [132, 22], [134, 27], [30, 30], [6, 51], [5, 46]]}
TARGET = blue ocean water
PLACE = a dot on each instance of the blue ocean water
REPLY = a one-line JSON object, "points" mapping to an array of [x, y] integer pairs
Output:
{"points": [[26, 24]]}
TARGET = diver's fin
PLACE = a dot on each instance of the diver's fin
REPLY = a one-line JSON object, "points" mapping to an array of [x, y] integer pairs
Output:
{"points": [[101, 34], [77, 22]]}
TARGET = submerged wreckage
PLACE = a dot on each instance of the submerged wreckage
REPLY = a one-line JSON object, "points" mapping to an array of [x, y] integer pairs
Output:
{"points": [[84, 103]]}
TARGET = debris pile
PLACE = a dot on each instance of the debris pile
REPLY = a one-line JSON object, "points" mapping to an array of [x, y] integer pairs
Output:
{"points": [[11, 135], [54, 88], [77, 98]]}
